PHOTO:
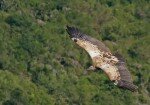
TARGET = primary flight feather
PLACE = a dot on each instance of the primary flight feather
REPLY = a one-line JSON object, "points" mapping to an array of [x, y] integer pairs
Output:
{"points": [[113, 65]]}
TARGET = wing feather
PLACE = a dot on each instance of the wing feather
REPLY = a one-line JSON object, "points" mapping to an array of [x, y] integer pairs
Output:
{"points": [[122, 68], [126, 79]]}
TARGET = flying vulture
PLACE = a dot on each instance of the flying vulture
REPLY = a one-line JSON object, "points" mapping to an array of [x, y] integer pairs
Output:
{"points": [[112, 64]]}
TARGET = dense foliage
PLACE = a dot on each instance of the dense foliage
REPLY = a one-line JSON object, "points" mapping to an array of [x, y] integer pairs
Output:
{"points": [[40, 65]]}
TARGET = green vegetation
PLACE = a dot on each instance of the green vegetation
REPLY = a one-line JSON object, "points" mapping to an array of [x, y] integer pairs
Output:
{"points": [[40, 65]]}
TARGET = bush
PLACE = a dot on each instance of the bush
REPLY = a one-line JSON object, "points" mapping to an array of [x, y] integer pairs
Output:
{"points": [[18, 20]]}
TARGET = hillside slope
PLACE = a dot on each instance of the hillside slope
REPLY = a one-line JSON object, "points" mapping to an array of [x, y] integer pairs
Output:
{"points": [[40, 65]]}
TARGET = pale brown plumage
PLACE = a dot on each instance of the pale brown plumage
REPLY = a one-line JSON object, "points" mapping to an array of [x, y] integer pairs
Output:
{"points": [[113, 65]]}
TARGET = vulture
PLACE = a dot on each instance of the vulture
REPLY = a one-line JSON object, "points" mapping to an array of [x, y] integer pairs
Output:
{"points": [[113, 65]]}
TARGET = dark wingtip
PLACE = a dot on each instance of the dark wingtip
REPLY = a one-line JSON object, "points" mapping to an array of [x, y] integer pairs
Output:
{"points": [[72, 31], [68, 26], [127, 85]]}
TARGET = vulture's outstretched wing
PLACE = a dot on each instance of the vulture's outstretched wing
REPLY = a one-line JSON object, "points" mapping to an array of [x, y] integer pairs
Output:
{"points": [[126, 79], [112, 65]]}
